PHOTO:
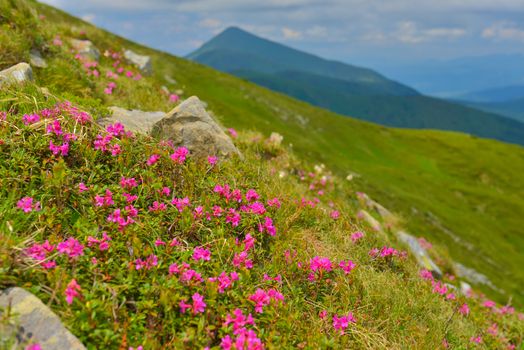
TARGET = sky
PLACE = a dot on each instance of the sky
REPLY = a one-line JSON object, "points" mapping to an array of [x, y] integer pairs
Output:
{"points": [[353, 31]]}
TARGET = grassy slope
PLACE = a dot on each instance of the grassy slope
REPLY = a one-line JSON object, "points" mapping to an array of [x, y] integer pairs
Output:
{"points": [[472, 185]]}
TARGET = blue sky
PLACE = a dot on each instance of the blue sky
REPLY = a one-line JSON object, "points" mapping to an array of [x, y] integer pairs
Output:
{"points": [[355, 31]]}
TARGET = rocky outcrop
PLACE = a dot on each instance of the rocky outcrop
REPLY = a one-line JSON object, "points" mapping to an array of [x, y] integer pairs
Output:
{"points": [[189, 125], [133, 120], [371, 204], [142, 62], [35, 322], [86, 49], [19, 73], [36, 59], [419, 253]]}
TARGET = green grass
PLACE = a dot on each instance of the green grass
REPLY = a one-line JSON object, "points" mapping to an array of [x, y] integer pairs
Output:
{"points": [[473, 186]]}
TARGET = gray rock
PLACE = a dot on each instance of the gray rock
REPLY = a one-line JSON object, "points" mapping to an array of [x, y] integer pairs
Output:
{"points": [[133, 120], [86, 49], [36, 59], [371, 204], [19, 73], [36, 323], [475, 277], [140, 61], [420, 253], [170, 79], [189, 125]]}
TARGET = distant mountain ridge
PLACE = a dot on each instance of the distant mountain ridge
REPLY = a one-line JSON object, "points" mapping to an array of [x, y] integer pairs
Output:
{"points": [[350, 90]]}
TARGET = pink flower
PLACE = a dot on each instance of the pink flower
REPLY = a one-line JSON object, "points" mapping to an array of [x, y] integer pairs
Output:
{"points": [[57, 41], [233, 132], [388, 251], [180, 155], [201, 254], [489, 304], [342, 322], [72, 291], [252, 195], [71, 247], [173, 98], [224, 280], [108, 91], [184, 306], [477, 339], [115, 149], [54, 128], [198, 303], [242, 259], [157, 206], [347, 266], [180, 203], [273, 203], [239, 320], [355, 237], [426, 275], [26, 204], [212, 160], [320, 264], [153, 159], [56, 149], [128, 183], [262, 298], [82, 187], [439, 288], [335, 214], [33, 347], [104, 201], [323, 314]]}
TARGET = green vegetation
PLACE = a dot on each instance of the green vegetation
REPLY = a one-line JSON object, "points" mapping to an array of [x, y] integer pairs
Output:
{"points": [[437, 182]]}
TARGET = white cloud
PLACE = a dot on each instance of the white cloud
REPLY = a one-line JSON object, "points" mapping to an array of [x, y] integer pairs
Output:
{"points": [[503, 31], [90, 17], [291, 34], [317, 32], [210, 23], [409, 32]]}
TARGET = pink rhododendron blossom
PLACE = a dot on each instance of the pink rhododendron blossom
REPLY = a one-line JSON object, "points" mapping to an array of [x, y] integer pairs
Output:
{"points": [[242, 259], [252, 195], [224, 280], [347, 266], [426, 274], [323, 314], [104, 201], [153, 159], [157, 207], [439, 288], [57, 41], [71, 247], [320, 264], [464, 309], [54, 128], [33, 347], [489, 304], [262, 298], [62, 149], [200, 253], [239, 320], [335, 214], [340, 323], [128, 183], [273, 203], [180, 155], [476, 340], [424, 243], [212, 160], [232, 132], [28, 204], [356, 236], [72, 291], [180, 203], [173, 98], [82, 187]]}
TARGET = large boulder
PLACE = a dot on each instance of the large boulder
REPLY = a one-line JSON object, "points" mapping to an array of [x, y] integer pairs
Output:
{"points": [[133, 120], [419, 252], [19, 73], [140, 61], [35, 322], [189, 125], [36, 59], [86, 49]]}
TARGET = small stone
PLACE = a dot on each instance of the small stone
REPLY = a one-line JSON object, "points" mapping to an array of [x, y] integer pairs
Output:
{"points": [[35, 322], [170, 80], [142, 62], [19, 73], [36, 59], [190, 125], [86, 49], [133, 120], [420, 253]]}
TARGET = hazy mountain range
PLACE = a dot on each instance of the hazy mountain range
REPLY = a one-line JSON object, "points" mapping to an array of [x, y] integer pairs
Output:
{"points": [[350, 90]]}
